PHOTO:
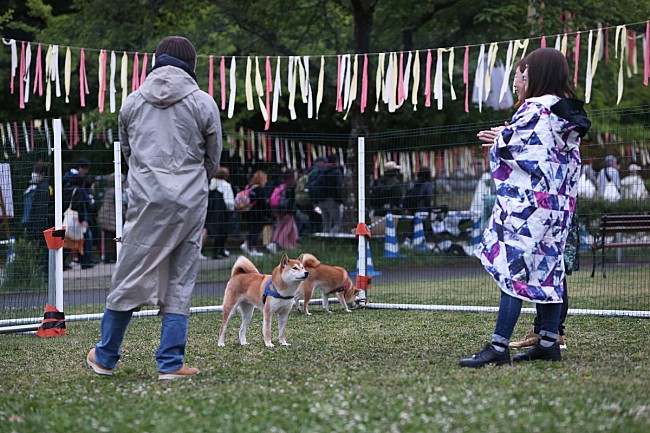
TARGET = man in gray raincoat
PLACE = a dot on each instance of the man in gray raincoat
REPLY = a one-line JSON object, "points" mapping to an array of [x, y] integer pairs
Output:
{"points": [[170, 133]]}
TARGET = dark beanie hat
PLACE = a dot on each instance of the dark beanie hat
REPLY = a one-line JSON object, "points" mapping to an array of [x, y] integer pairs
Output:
{"points": [[179, 48]]}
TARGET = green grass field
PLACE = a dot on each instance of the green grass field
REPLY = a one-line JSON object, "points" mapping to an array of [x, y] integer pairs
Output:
{"points": [[368, 371]]}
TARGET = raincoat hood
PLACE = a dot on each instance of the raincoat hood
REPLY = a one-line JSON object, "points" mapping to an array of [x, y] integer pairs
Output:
{"points": [[167, 84]]}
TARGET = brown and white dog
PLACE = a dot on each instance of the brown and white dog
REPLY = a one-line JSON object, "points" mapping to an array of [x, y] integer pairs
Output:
{"points": [[272, 294], [331, 280]]}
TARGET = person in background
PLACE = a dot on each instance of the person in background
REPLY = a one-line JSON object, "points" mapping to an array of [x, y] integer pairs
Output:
{"points": [[331, 187], [258, 215], [633, 186], [530, 220], [77, 188], [221, 204], [283, 207], [386, 195], [419, 200], [609, 173], [170, 133], [37, 208]]}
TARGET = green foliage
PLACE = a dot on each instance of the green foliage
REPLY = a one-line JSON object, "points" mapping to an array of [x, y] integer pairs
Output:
{"points": [[24, 271]]}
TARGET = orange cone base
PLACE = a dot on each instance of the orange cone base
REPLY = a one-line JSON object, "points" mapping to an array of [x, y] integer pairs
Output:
{"points": [[53, 324]]}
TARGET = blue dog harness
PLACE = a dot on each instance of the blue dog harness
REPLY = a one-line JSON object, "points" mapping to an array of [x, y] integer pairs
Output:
{"points": [[270, 290]]}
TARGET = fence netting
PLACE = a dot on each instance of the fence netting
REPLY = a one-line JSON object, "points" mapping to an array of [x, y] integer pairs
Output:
{"points": [[428, 196]]}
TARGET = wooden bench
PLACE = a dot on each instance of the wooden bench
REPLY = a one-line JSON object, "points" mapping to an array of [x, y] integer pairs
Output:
{"points": [[618, 224]]}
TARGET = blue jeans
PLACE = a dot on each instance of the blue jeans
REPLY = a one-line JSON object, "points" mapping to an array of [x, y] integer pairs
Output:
{"points": [[510, 308], [170, 353], [173, 336]]}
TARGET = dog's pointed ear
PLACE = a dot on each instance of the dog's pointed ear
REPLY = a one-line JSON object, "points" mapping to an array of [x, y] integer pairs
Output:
{"points": [[284, 260], [300, 258]]}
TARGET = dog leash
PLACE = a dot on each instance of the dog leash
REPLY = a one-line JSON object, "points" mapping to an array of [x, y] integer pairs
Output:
{"points": [[270, 290]]}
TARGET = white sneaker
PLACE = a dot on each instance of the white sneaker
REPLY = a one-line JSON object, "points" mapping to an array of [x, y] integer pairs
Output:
{"points": [[202, 257], [273, 247], [244, 247], [226, 253], [255, 253]]}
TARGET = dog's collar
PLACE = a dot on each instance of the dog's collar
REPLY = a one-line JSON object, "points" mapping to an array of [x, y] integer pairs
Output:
{"points": [[340, 289], [270, 290]]}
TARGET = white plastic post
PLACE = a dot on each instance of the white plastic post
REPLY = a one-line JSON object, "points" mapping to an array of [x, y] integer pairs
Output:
{"points": [[117, 162], [361, 164], [58, 212]]}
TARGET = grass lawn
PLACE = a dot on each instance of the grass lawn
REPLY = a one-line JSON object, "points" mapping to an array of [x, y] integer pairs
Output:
{"points": [[372, 370]]}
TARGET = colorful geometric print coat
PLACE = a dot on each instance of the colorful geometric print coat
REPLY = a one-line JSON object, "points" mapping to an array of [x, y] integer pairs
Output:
{"points": [[535, 164]]}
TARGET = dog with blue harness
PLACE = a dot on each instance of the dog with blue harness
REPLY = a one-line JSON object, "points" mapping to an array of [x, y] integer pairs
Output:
{"points": [[272, 294]]}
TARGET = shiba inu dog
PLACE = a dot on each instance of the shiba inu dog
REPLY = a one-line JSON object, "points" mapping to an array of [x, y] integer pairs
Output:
{"points": [[331, 280], [272, 294]]}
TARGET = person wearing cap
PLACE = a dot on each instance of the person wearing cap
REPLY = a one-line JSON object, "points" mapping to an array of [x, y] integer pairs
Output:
{"points": [[386, 195], [170, 134], [633, 186], [609, 173]]}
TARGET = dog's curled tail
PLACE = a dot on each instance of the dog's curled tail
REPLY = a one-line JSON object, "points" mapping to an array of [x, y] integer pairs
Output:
{"points": [[243, 266]]}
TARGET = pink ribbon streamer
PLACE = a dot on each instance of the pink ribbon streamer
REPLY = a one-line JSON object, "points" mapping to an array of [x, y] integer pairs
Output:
{"points": [[339, 101], [543, 42], [466, 77], [631, 45], [222, 79], [102, 93], [364, 84], [135, 84], [646, 55], [427, 85], [308, 154], [83, 81], [143, 74], [211, 76], [38, 73], [576, 57], [269, 89], [74, 132], [21, 76]]}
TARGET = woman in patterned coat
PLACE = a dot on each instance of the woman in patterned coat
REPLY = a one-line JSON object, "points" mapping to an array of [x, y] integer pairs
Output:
{"points": [[535, 164]]}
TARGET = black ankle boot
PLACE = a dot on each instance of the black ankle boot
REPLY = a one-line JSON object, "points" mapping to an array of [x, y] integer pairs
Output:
{"points": [[551, 353], [489, 355]]}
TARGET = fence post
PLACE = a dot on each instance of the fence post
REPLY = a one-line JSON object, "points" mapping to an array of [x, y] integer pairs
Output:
{"points": [[58, 213], [117, 163]]}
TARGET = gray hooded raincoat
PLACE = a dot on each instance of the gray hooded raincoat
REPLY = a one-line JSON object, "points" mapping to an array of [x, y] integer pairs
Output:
{"points": [[170, 133]]}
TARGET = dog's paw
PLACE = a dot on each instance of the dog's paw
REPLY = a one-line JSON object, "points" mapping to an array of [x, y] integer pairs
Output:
{"points": [[285, 344], [243, 343], [269, 345], [222, 344]]}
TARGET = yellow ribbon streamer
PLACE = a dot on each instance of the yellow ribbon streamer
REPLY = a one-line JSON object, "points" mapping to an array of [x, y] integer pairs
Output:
{"points": [[249, 85]]}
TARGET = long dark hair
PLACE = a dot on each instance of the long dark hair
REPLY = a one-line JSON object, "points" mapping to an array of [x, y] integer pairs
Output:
{"points": [[548, 73], [521, 65]]}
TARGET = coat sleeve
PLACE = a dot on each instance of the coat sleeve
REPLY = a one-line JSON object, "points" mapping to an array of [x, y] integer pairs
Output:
{"points": [[213, 139]]}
